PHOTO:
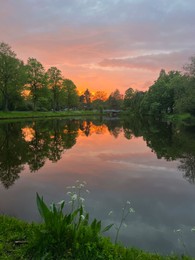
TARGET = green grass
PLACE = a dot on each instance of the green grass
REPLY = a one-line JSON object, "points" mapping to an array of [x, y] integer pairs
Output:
{"points": [[31, 114], [17, 240], [14, 235]]}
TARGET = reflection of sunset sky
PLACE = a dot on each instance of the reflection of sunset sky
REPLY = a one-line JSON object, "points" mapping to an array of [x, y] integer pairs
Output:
{"points": [[102, 44]]}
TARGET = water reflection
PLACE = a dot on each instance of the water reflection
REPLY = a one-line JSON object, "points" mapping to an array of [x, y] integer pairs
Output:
{"points": [[119, 161], [32, 143]]}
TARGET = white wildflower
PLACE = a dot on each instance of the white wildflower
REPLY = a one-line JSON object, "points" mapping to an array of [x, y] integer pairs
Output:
{"points": [[110, 213], [128, 202], [82, 217], [61, 202], [193, 229], [131, 210], [74, 197]]}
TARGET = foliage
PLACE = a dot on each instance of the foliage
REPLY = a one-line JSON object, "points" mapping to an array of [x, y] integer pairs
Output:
{"points": [[16, 240], [115, 100], [11, 77], [71, 97], [68, 234], [28, 87], [36, 79], [54, 78]]}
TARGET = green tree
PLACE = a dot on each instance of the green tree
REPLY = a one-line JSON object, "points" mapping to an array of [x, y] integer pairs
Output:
{"points": [[36, 79], [54, 82], [161, 97], [129, 94], [11, 78], [115, 100], [71, 97]]}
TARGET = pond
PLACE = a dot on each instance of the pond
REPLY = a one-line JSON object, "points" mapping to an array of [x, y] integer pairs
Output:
{"points": [[150, 164]]}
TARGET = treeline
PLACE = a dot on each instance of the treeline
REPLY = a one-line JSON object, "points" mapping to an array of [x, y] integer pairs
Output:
{"points": [[29, 86], [172, 92]]}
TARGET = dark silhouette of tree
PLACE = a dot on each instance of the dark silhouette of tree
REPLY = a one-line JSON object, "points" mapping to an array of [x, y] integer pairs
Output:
{"points": [[87, 99]]}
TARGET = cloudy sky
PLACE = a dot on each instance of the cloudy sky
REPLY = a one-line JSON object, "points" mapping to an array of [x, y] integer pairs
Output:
{"points": [[102, 44]]}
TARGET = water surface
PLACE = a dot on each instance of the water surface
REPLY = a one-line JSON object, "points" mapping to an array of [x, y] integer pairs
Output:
{"points": [[151, 165]]}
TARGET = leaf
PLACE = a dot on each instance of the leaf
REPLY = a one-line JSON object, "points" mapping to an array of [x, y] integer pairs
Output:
{"points": [[107, 228], [42, 207]]}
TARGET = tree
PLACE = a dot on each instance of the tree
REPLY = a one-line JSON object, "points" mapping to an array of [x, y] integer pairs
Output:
{"points": [[129, 93], [115, 100], [161, 96], [71, 97], [54, 82], [36, 79], [87, 98], [10, 75]]}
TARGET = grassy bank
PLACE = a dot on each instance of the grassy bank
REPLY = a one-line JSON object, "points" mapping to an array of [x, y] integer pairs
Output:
{"points": [[17, 237], [31, 114]]}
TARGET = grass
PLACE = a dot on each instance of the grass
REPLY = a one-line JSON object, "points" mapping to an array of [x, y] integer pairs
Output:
{"points": [[31, 114], [17, 242]]}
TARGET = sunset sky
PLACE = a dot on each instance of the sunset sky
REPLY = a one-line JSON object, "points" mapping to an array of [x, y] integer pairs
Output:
{"points": [[102, 44]]}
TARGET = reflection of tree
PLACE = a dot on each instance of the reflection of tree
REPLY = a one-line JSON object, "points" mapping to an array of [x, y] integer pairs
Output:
{"points": [[114, 127], [33, 143], [37, 147], [188, 167], [70, 134], [85, 127], [46, 140], [12, 153], [167, 141], [55, 146], [132, 126]]}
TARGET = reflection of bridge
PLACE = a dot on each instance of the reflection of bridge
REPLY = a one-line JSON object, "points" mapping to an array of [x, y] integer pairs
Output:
{"points": [[111, 112]]}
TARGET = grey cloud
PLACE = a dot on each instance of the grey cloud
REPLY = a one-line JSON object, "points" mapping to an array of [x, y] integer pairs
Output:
{"points": [[87, 32], [174, 60]]}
